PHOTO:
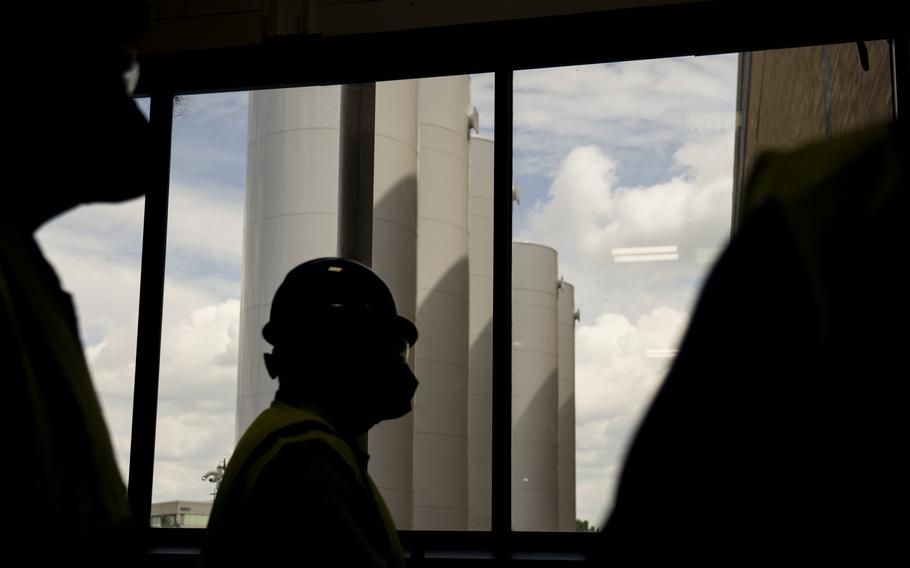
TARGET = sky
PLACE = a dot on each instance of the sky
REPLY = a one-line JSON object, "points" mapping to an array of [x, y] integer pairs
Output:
{"points": [[636, 154]]}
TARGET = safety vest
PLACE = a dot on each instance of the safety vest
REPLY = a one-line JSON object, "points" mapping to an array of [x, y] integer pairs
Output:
{"points": [[276, 428], [59, 449]]}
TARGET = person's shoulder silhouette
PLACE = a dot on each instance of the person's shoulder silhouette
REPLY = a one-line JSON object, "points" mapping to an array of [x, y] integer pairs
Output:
{"points": [[79, 138], [776, 433]]}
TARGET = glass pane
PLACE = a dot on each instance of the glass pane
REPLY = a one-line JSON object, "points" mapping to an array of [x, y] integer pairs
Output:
{"points": [[625, 174], [198, 381], [432, 210]]}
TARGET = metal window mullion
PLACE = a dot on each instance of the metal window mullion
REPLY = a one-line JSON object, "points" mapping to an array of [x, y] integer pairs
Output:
{"points": [[900, 77], [356, 171], [501, 506], [151, 303], [744, 72], [357, 133]]}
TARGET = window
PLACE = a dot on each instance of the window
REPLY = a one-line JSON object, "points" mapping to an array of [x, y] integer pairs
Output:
{"points": [[283, 206], [637, 304], [625, 173], [164, 521], [194, 521], [200, 329]]}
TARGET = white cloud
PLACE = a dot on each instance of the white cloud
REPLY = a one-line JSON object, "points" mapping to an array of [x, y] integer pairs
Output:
{"points": [[586, 214], [581, 194], [96, 252], [205, 224], [189, 443], [198, 384], [199, 353], [78, 246], [104, 282], [614, 381], [593, 132], [197, 390], [641, 105], [632, 307]]}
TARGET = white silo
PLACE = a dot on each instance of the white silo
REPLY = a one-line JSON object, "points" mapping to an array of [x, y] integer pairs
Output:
{"points": [[391, 443], [441, 404], [432, 466], [290, 215], [534, 388], [480, 380], [566, 432]]}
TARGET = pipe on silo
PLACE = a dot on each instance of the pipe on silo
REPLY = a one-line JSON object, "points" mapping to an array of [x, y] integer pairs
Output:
{"points": [[480, 379], [535, 373], [356, 172], [441, 404], [566, 409]]}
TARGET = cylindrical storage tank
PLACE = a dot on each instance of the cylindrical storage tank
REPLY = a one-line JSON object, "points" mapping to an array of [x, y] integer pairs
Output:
{"points": [[480, 379], [441, 404], [534, 388], [566, 432], [290, 215], [391, 443]]}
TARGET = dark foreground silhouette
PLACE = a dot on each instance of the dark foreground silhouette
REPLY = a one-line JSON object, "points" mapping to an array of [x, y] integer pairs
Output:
{"points": [[779, 432], [79, 138]]}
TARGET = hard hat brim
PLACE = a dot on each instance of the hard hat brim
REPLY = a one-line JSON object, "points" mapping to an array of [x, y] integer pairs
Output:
{"points": [[405, 328]]}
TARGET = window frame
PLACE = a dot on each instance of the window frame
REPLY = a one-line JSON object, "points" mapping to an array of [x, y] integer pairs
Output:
{"points": [[687, 28]]}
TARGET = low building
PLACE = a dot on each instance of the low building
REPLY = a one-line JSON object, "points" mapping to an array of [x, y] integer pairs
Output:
{"points": [[181, 514]]}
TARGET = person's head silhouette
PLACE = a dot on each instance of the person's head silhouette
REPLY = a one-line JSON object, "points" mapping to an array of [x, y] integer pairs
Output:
{"points": [[340, 347], [79, 136]]}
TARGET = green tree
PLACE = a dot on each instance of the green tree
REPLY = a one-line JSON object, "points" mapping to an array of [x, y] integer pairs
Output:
{"points": [[583, 526]]}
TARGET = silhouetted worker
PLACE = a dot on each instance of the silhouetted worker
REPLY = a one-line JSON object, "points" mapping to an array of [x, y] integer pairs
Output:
{"points": [[780, 431], [296, 488], [78, 138]]}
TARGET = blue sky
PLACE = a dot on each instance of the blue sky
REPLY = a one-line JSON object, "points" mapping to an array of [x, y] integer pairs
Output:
{"points": [[607, 156]]}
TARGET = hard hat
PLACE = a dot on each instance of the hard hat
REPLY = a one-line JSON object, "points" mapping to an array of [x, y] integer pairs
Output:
{"points": [[325, 288]]}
